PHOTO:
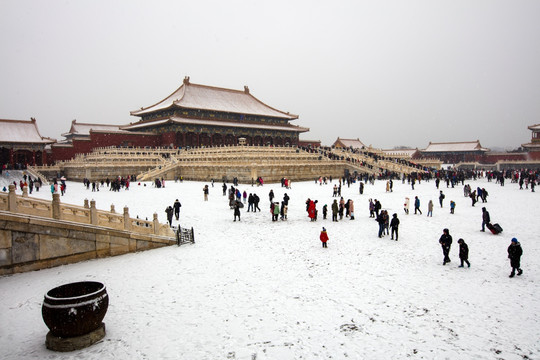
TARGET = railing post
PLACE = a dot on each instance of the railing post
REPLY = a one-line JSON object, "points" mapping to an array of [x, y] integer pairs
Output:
{"points": [[112, 209], [156, 224], [25, 191], [86, 206], [12, 199], [127, 220], [56, 213], [93, 213]]}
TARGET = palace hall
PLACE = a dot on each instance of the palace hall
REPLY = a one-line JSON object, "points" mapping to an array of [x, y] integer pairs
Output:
{"points": [[200, 115]]}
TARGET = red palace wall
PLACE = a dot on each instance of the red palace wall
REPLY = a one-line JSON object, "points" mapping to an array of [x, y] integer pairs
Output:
{"points": [[168, 138], [103, 140]]}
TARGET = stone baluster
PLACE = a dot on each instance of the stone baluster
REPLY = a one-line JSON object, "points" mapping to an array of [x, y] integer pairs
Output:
{"points": [[86, 205], [156, 224], [112, 209], [127, 220], [56, 211], [93, 213], [12, 199]]}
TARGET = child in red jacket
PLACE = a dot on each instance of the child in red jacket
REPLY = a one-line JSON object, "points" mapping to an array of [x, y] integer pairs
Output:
{"points": [[324, 237]]}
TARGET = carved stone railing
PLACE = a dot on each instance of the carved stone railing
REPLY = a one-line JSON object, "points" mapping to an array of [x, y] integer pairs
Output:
{"points": [[87, 214]]}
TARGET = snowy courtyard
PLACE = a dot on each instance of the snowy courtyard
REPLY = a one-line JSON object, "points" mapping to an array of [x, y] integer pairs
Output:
{"points": [[258, 289]]}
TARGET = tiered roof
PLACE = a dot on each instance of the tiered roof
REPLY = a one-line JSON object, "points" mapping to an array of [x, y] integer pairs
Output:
{"points": [[465, 146], [202, 122], [534, 145], [22, 131], [194, 96]]}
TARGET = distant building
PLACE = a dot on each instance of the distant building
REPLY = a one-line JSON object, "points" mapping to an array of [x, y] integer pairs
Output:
{"points": [[455, 152], [309, 143], [21, 144], [534, 145], [348, 143]]}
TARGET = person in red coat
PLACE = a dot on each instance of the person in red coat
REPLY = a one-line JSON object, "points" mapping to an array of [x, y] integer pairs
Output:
{"points": [[312, 210], [324, 237]]}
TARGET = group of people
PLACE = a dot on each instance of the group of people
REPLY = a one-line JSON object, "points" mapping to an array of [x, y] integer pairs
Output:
{"points": [[173, 210], [384, 223], [514, 252]]}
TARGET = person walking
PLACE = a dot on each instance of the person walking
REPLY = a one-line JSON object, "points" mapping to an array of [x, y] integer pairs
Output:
{"points": [[514, 254], [351, 209], [394, 225], [463, 253], [324, 237], [406, 205], [176, 207], [485, 219], [446, 242], [417, 205], [452, 206], [430, 208], [169, 211]]}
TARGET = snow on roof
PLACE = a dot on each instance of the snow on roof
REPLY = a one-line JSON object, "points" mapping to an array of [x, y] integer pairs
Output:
{"points": [[534, 127], [84, 129], [194, 96], [455, 146], [180, 120], [350, 143], [21, 131]]}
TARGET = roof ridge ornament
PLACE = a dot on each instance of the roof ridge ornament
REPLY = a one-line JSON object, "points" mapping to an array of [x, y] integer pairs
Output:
{"points": [[246, 89], [186, 80]]}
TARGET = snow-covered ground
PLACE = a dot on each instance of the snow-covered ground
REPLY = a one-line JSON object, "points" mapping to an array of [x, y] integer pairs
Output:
{"points": [[258, 289]]}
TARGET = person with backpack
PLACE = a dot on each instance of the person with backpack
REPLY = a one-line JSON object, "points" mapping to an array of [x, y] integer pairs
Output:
{"points": [[441, 198]]}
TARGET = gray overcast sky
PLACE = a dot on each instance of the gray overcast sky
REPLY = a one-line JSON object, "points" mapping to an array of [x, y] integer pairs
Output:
{"points": [[388, 72]]}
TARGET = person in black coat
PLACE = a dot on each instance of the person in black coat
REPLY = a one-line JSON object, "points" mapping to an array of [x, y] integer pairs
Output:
{"points": [[514, 254], [485, 218], [236, 208], [394, 225], [176, 207], [463, 253], [169, 211], [446, 242]]}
